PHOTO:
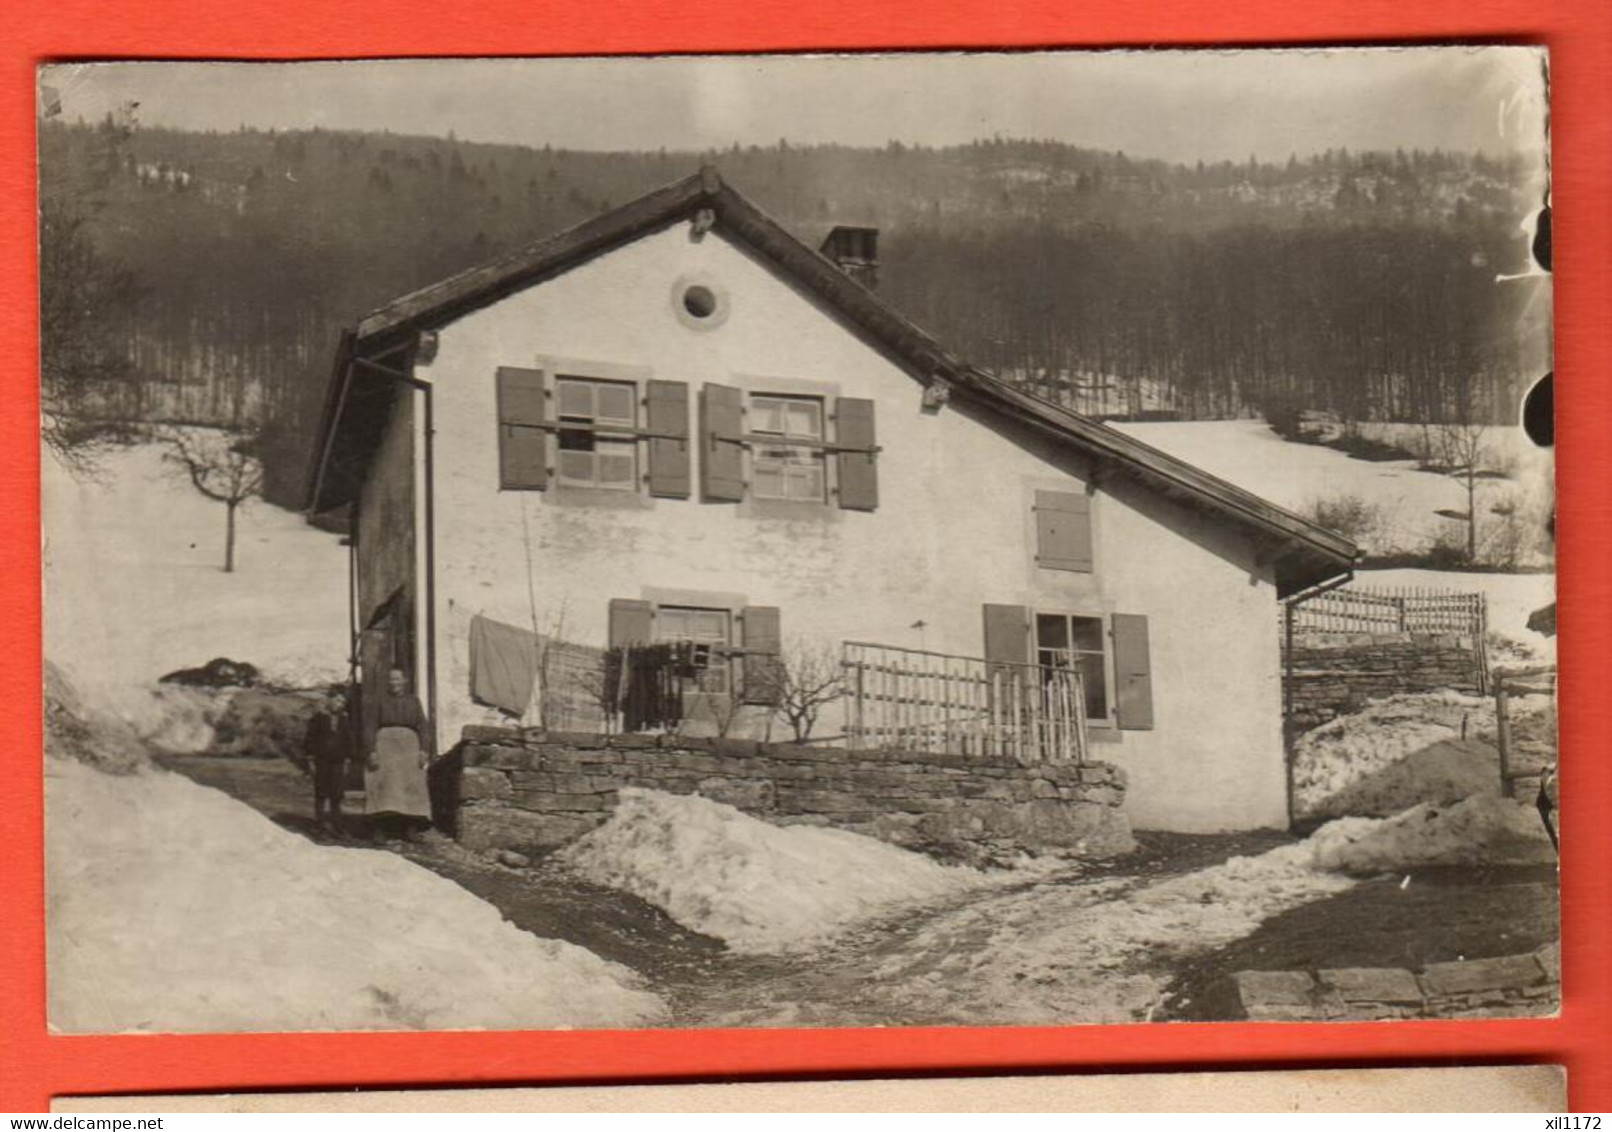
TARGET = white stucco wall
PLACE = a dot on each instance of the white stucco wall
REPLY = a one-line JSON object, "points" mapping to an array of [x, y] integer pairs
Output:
{"points": [[953, 530]]}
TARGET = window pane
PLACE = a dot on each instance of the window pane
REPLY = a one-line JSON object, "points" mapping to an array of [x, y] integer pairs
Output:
{"points": [[767, 414], [1051, 632], [576, 466], [616, 403], [574, 440], [804, 482], [814, 482], [805, 418], [1088, 633], [768, 481], [576, 398], [614, 470], [710, 625], [1096, 688], [671, 624]]}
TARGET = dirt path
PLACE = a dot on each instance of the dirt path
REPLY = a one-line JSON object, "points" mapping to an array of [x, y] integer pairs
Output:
{"points": [[1057, 947]]}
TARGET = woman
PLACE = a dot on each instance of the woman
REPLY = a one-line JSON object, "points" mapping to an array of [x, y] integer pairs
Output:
{"points": [[398, 744]]}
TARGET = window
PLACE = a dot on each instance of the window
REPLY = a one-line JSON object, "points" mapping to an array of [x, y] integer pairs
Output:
{"points": [[1067, 641], [782, 470], [711, 631], [590, 457]]}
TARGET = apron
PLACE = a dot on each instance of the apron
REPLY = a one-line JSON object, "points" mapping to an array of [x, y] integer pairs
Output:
{"points": [[398, 785]]}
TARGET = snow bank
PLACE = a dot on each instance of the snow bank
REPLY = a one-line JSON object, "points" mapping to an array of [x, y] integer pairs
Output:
{"points": [[759, 887], [172, 907], [75, 728], [1485, 829], [1340, 756], [133, 585]]}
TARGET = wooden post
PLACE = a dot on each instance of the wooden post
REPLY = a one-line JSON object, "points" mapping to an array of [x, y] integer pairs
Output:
{"points": [[1502, 721], [1288, 613]]}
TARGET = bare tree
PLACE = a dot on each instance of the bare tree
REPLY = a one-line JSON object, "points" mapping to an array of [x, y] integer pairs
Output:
{"points": [[1463, 448], [224, 467], [808, 680]]}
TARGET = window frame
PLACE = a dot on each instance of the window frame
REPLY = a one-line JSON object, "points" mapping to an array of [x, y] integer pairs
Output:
{"points": [[1110, 719], [815, 456], [723, 648], [626, 444]]}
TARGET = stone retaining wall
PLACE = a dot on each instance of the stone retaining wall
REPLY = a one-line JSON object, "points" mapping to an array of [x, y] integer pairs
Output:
{"points": [[532, 792], [1511, 986], [1334, 674]]}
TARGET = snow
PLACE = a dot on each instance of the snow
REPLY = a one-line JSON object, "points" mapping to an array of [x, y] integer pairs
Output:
{"points": [[134, 585], [1068, 949], [761, 888], [1072, 949], [172, 907], [1293, 475], [1336, 760], [1047, 957], [1483, 829], [1247, 453]]}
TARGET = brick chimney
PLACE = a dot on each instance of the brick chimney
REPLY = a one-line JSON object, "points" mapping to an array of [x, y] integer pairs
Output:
{"points": [[856, 251]]}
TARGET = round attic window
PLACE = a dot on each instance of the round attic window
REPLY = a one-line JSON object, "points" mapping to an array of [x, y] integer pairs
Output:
{"points": [[700, 303], [699, 300]]}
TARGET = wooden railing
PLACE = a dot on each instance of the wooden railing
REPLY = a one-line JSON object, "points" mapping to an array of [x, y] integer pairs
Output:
{"points": [[1369, 609], [910, 699]]}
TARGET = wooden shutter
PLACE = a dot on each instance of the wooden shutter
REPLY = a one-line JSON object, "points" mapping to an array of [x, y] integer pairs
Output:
{"points": [[1063, 530], [668, 459], [632, 622], [1133, 674], [858, 471], [721, 461], [1007, 642], [763, 655], [1007, 635], [523, 463]]}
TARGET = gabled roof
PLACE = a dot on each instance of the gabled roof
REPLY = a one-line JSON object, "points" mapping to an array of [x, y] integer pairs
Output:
{"points": [[1304, 554]]}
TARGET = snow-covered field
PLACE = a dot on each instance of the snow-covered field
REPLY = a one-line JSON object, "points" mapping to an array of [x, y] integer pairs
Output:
{"points": [[134, 586], [759, 887], [1248, 454], [172, 907]]}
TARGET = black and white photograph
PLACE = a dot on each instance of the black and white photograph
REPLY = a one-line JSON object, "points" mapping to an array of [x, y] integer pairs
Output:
{"points": [[929, 539]]}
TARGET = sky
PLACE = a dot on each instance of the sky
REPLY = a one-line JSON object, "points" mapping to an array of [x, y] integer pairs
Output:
{"points": [[1175, 105]]}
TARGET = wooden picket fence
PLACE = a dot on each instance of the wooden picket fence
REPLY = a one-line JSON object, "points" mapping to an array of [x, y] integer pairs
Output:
{"points": [[940, 703], [1369, 609]]}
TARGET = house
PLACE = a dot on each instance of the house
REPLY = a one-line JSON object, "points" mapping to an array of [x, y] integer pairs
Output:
{"points": [[677, 423]]}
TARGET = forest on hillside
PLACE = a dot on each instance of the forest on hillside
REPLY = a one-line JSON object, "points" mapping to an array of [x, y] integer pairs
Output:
{"points": [[207, 276]]}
